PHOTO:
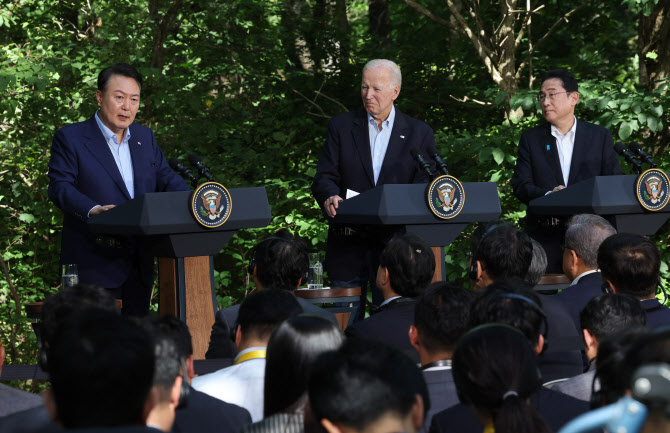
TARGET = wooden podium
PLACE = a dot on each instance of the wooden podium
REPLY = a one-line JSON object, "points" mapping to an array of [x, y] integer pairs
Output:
{"points": [[164, 226]]}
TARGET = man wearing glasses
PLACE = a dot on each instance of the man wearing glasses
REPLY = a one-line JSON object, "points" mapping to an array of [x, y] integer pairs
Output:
{"points": [[558, 154]]}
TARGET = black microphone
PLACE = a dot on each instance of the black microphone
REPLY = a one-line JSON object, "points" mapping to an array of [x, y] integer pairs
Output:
{"points": [[629, 157], [432, 150], [203, 171], [422, 162], [644, 156], [183, 171]]}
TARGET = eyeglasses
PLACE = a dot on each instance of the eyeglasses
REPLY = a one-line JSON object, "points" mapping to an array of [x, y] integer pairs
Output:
{"points": [[551, 96]]}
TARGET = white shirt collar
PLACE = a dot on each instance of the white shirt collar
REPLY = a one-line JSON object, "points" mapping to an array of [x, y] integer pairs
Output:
{"points": [[576, 280]]}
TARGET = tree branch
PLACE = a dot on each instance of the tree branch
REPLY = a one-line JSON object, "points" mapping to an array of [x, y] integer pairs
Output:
{"points": [[422, 10]]}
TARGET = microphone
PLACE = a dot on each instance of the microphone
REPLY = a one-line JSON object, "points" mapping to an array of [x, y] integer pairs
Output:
{"points": [[197, 163], [183, 171], [629, 157], [644, 156], [422, 162], [432, 150]]}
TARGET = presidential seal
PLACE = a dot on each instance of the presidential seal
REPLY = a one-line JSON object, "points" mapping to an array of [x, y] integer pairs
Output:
{"points": [[446, 197], [211, 204], [652, 189]]}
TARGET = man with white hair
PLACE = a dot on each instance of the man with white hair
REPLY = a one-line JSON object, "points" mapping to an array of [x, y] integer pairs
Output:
{"points": [[364, 149]]}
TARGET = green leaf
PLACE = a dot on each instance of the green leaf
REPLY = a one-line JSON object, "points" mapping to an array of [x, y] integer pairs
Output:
{"points": [[500, 97], [498, 155], [26, 217], [652, 55], [625, 131], [657, 110], [653, 123]]}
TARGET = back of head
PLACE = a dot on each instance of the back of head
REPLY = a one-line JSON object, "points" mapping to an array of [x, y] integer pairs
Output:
{"points": [[510, 304], [168, 359], [410, 263], [396, 75], [176, 330], [442, 315], [118, 69], [631, 263], [262, 312], [101, 368], [584, 235], [504, 251], [364, 382], [538, 265], [568, 79], [608, 314], [501, 387], [292, 350], [281, 261]]}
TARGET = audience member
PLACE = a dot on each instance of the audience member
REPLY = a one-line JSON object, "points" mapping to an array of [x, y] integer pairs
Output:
{"points": [[203, 413], [367, 386], [631, 264], [406, 267], [242, 383], [602, 317], [441, 317], [292, 350], [538, 265], [279, 262], [14, 400], [583, 237], [496, 371]]}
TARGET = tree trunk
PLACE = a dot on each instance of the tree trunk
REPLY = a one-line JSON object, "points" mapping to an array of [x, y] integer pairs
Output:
{"points": [[653, 37], [380, 22]]}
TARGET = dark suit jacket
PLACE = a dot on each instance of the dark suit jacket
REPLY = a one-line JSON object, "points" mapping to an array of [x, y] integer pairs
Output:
{"points": [[575, 298], [442, 391], [346, 163], [657, 313], [556, 409], [538, 168], [82, 174], [389, 326], [205, 413], [563, 355]]}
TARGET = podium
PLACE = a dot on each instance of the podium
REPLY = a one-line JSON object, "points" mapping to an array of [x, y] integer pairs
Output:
{"points": [[163, 225], [405, 205], [612, 197]]}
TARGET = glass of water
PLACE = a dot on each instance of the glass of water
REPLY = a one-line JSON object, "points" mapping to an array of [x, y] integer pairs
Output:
{"points": [[70, 275], [315, 280]]}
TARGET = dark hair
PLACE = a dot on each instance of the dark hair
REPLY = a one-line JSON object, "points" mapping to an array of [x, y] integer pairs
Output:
{"points": [[410, 263], [362, 382], [609, 313], [168, 358], [170, 326], [538, 265], [118, 69], [504, 251], [291, 353], [263, 311], [281, 261], [652, 348], [566, 77], [496, 371], [442, 315], [584, 235], [630, 262], [101, 368], [510, 304]]}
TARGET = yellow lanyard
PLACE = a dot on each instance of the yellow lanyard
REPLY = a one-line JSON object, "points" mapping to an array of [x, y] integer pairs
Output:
{"points": [[255, 354], [489, 429]]}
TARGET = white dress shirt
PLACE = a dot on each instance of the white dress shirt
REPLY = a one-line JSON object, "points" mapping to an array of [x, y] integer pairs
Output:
{"points": [[565, 144]]}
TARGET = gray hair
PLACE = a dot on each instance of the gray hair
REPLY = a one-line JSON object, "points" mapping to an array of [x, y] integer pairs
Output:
{"points": [[584, 235], [396, 76], [538, 265]]}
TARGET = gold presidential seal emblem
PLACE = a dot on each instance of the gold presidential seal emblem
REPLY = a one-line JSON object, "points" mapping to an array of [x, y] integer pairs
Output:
{"points": [[211, 204], [446, 197], [652, 189]]}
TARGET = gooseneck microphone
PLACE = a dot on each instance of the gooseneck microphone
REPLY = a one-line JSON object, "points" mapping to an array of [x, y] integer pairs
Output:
{"points": [[422, 162], [183, 171], [432, 150], [644, 156], [629, 157], [197, 163]]}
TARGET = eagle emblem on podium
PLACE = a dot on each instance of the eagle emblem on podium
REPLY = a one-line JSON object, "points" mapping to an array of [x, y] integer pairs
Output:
{"points": [[652, 189], [445, 197], [211, 204]]}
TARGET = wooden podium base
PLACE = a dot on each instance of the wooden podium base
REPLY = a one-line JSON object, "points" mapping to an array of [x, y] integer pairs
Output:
{"points": [[192, 275]]}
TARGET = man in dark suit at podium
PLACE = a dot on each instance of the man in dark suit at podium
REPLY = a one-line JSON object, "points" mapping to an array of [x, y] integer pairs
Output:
{"points": [[364, 149], [98, 164], [558, 154]]}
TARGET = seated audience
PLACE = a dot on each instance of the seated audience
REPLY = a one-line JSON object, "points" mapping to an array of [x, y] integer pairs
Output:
{"points": [[292, 350], [496, 372], [367, 386], [14, 400], [583, 237], [602, 317], [406, 267], [538, 265], [279, 262], [631, 264], [441, 317], [242, 383]]}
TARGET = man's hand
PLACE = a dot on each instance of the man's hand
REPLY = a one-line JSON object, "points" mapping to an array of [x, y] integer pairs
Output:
{"points": [[558, 188], [331, 204], [100, 209]]}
